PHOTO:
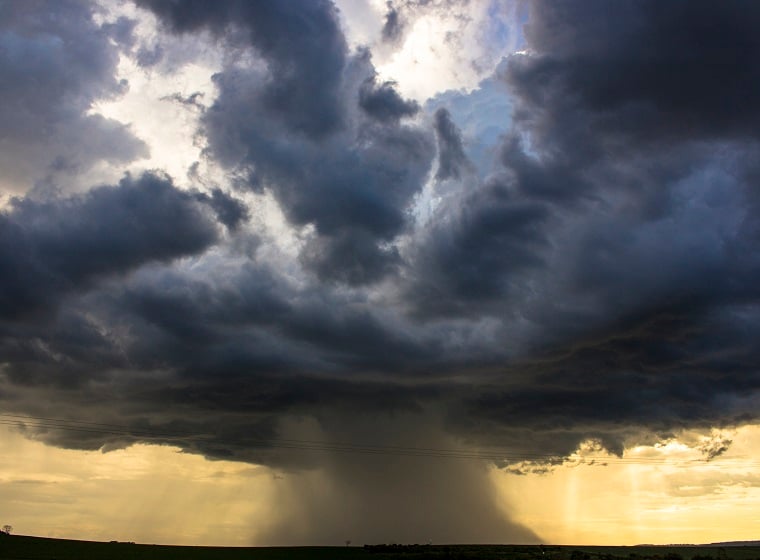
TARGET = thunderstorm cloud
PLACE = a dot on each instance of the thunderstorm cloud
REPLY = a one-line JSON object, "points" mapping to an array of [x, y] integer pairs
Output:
{"points": [[567, 252]]}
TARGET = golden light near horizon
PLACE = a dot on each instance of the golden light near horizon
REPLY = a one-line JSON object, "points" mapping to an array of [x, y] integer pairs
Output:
{"points": [[667, 493], [146, 493], [662, 494]]}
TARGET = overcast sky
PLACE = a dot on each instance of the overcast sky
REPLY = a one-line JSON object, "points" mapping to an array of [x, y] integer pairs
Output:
{"points": [[528, 230]]}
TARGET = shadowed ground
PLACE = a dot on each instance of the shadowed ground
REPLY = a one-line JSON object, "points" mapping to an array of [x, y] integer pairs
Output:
{"points": [[36, 548]]}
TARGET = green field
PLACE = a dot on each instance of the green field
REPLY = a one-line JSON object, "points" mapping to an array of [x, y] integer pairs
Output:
{"points": [[36, 548]]}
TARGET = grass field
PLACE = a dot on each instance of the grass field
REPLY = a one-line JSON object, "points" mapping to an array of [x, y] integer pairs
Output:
{"points": [[17, 547]]}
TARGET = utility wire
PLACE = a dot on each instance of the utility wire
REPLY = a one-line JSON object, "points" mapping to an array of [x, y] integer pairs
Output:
{"points": [[494, 454]]}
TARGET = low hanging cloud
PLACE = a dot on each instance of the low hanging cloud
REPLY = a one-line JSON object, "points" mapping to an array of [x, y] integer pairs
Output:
{"points": [[589, 275], [643, 277]]}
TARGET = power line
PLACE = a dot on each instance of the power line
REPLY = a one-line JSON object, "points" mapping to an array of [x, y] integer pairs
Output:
{"points": [[494, 454]]}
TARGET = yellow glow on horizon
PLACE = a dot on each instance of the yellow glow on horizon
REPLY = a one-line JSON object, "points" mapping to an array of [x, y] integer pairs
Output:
{"points": [[147, 493], [661, 494], [144, 493]]}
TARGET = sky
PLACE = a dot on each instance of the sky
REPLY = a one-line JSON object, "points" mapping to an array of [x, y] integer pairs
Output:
{"points": [[284, 273]]}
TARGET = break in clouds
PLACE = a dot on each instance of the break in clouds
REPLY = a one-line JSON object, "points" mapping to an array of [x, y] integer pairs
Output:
{"points": [[569, 252]]}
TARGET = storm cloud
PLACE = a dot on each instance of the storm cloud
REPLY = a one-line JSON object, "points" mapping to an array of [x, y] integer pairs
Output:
{"points": [[314, 128], [568, 253], [55, 246]]}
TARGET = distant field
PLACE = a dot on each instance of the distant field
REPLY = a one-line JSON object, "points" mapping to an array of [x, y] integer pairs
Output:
{"points": [[35, 548]]}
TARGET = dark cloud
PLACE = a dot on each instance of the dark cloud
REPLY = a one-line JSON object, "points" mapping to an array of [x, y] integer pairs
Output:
{"points": [[229, 211], [451, 157], [581, 250], [644, 70], [627, 97], [715, 447], [253, 321], [349, 257], [55, 62], [393, 26], [474, 248], [637, 381], [629, 266], [357, 185], [53, 247], [296, 129], [301, 41], [383, 102], [480, 239]]}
